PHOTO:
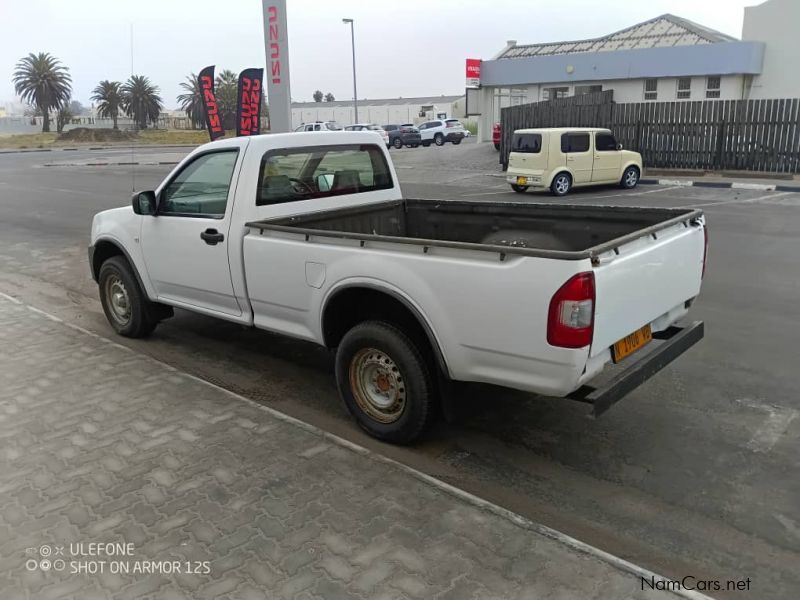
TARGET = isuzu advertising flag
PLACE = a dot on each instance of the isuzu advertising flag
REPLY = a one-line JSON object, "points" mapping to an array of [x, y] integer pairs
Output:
{"points": [[248, 102], [213, 120], [473, 72]]}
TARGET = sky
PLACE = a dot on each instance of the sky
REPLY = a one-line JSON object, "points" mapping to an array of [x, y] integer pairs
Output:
{"points": [[403, 47]]}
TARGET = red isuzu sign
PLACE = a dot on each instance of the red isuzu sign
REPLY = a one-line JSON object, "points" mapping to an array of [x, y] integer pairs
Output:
{"points": [[473, 72]]}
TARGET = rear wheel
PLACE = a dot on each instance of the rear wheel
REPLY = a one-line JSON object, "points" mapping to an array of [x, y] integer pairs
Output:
{"points": [[519, 188], [630, 178], [125, 304], [497, 146], [426, 144], [438, 139], [398, 143], [385, 382], [561, 184]]}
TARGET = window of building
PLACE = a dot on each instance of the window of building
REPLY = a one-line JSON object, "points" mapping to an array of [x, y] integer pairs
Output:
{"points": [[713, 87], [605, 142], [554, 93], [575, 142], [530, 143], [651, 89], [305, 173], [587, 89], [684, 88]]}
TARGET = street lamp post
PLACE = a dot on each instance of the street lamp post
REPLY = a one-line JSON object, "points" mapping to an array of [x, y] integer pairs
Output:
{"points": [[353, 42]]}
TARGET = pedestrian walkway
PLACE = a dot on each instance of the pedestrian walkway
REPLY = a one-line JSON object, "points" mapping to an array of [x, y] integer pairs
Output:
{"points": [[182, 490]]}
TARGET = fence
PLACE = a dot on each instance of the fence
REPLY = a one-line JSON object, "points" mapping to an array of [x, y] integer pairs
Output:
{"points": [[746, 135]]}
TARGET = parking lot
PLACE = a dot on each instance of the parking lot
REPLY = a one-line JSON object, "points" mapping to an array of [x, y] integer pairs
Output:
{"points": [[693, 473]]}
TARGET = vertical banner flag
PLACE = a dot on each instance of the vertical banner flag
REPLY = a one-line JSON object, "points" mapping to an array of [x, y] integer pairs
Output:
{"points": [[276, 46], [248, 102], [213, 120], [473, 72]]}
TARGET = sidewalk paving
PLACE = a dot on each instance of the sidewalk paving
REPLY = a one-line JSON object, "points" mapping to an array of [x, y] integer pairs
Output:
{"points": [[102, 444]]}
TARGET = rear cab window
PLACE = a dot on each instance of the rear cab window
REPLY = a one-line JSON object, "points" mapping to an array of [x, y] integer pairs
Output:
{"points": [[530, 143], [574, 142], [292, 174]]}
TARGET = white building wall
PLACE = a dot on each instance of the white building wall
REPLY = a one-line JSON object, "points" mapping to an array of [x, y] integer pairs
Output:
{"points": [[775, 22], [372, 113]]}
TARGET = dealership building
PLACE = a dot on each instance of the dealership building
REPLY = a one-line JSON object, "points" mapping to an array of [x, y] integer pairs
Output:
{"points": [[667, 58]]}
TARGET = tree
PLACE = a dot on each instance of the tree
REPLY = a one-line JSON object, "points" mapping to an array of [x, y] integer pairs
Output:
{"points": [[329, 97], [108, 96], [225, 89], [42, 81], [76, 108], [140, 100], [64, 116], [192, 102], [318, 96]]}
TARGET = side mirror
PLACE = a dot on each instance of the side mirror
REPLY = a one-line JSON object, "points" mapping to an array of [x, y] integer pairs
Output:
{"points": [[144, 203], [325, 182], [619, 146]]}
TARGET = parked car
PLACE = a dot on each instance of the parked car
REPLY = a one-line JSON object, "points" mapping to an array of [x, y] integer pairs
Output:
{"points": [[440, 131], [567, 157], [370, 127], [497, 133], [403, 135], [308, 235], [319, 126]]}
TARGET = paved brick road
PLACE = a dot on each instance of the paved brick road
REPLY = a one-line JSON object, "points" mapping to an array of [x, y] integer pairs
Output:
{"points": [[98, 444]]}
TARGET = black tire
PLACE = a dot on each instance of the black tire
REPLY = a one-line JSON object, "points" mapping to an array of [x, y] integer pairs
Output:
{"points": [[398, 143], [520, 189], [457, 141], [426, 144], [630, 178], [381, 348], [415, 145], [497, 146], [561, 184], [116, 277], [438, 139]]}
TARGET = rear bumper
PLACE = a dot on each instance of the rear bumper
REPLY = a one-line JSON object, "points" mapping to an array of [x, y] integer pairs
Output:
{"points": [[678, 341], [456, 135]]}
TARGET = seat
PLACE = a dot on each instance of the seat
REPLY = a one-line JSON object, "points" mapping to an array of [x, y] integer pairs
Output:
{"points": [[345, 182], [276, 188]]}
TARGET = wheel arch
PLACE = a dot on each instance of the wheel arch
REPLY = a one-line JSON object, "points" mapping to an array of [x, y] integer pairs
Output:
{"points": [[630, 163], [557, 172], [356, 302], [105, 248]]}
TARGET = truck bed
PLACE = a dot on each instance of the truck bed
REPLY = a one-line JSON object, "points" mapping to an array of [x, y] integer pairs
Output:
{"points": [[549, 230]]}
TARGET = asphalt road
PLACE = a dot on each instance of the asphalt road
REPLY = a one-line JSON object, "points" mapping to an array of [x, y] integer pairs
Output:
{"points": [[695, 473]]}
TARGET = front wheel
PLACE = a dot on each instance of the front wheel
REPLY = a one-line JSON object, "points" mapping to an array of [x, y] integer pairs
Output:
{"points": [[385, 382], [398, 143], [520, 189], [561, 184], [630, 178], [497, 146], [438, 139], [126, 306]]}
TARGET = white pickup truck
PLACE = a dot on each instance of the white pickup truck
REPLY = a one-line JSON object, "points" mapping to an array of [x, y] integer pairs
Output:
{"points": [[308, 235]]}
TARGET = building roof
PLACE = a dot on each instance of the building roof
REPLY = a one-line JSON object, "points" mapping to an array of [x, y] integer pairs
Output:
{"points": [[664, 30], [380, 102]]}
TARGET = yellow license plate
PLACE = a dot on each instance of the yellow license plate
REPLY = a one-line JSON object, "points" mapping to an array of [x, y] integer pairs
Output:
{"points": [[631, 343], [522, 180]]}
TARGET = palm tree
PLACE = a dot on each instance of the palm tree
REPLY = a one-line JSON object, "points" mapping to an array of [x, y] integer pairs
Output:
{"points": [[225, 88], [140, 100], [108, 96], [192, 101], [42, 81]]}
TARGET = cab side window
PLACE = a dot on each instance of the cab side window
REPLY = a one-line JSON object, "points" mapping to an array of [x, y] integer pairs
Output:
{"points": [[201, 187], [575, 142], [605, 142]]}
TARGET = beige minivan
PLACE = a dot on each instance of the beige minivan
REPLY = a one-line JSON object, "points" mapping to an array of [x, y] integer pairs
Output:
{"points": [[567, 157]]}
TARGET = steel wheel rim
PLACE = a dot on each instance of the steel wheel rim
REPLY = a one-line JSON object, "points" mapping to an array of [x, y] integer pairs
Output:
{"points": [[118, 300], [630, 178], [378, 385], [439, 140], [562, 184]]}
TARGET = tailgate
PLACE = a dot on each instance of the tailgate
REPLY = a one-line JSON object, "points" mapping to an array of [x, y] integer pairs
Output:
{"points": [[648, 277]]}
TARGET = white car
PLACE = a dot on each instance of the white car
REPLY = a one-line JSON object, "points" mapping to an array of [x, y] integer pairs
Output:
{"points": [[308, 235], [440, 131], [370, 127], [319, 126]]}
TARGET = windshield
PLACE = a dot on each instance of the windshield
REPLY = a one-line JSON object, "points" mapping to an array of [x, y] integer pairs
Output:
{"points": [[333, 126]]}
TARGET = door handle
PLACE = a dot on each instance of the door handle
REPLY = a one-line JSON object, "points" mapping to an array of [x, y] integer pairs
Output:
{"points": [[212, 237]]}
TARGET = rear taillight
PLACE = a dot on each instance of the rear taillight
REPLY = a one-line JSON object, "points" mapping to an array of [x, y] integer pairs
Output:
{"points": [[705, 248], [570, 319]]}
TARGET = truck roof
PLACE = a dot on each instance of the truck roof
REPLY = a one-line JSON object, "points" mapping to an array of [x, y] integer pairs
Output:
{"points": [[297, 139]]}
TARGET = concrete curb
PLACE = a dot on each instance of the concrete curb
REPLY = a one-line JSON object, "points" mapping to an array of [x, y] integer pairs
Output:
{"points": [[614, 561], [736, 185], [111, 164]]}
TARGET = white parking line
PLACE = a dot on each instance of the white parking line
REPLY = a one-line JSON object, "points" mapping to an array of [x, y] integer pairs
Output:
{"points": [[740, 201]]}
